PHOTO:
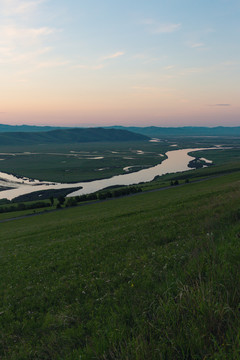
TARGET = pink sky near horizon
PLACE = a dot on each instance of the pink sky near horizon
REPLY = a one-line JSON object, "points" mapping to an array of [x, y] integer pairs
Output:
{"points": [[130, 109]]}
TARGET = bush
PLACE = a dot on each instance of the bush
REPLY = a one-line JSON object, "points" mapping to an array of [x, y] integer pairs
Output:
{"points": [[71, 202]]}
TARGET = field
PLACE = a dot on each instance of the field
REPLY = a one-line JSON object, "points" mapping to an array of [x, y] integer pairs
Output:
{"points": [[154, 276], [89, 161], [80, 162]]}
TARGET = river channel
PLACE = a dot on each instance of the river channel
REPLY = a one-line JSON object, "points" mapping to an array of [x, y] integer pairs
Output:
{"points": [[177, 160]]}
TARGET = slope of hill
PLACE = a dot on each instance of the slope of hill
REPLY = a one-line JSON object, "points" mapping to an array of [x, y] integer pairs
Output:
{"points": [[73, 135], [155, 276], [148, 130], [183, 131]]}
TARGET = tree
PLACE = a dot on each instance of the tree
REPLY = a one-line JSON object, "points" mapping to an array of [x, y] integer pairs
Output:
{"points": [[61, 200], [71, 202]]}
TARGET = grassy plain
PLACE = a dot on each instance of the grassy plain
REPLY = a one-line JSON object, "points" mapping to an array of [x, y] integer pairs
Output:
{"points": [[221, 156], [79, 162], [89, 161], [154, 276]]}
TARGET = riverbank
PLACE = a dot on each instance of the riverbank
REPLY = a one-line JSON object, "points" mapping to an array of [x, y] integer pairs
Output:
{"points": [[177, 161], [97, 199]]}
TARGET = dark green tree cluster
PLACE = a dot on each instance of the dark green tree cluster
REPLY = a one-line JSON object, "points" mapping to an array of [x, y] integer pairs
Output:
{"points": [[23, 206], [61, 201], [102, 195]]}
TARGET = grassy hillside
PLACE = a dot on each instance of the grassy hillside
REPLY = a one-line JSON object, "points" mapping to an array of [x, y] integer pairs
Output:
{"points": [[155, 276], [68, 136]]}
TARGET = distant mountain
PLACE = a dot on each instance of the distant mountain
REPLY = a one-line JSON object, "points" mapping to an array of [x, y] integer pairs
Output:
{"points": [[73, 135], [151, 131], [27, 128], [154, 131]]}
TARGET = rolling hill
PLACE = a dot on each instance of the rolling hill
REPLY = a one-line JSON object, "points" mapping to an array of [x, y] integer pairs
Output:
{"points": [[147, 130], [155, 131], [71, 135]]}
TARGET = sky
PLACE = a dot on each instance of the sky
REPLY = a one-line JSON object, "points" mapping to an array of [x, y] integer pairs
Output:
{"points": [[120, 62]]}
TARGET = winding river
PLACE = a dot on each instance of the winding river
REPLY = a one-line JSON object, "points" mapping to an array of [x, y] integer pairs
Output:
{"points": [[177, 160]]}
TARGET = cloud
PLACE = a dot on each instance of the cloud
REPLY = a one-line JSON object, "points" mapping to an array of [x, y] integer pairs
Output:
{"points": [[169, 67], [23, 44], [144, 88], [89, 67], [10, 55], [157, 28], [192, 70], [5, 52], [220, 105], [13, 36], [148, 21], [230, 63], [48, 64], [152, 89], [31, 32], [147, 58], [16, 33], [100, 65], [197, 45], [14, 25], [28, 6], [13, 7], [166, 28], [160, 28], [113, 56]]}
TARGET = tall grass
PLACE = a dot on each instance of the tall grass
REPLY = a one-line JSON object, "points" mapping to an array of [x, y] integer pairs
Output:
{"points": [[149, 277]]}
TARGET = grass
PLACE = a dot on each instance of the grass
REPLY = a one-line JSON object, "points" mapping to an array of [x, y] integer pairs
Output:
{"points": [[222, 156], [80, 162], [159, 183], [155, 276], [90, 161], [70, 163]]}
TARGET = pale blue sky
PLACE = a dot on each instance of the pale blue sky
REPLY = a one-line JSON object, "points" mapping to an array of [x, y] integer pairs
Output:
{"points": [[102, 62]]}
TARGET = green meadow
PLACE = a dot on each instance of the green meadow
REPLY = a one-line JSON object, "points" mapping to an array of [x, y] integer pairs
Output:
{"points": [[90, 161], [80, 162], [77, 162], [153, 276]]}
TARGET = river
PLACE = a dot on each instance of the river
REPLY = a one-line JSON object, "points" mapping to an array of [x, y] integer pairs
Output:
{"points": [[177, 160]]}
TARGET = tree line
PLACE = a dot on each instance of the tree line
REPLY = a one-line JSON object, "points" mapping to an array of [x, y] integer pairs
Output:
{"points": [[101, 195], [62, 201], [24, 206]]}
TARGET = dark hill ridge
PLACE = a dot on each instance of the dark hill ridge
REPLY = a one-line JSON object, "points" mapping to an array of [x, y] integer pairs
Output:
{"points": [[27, 128], [151, 131], [155, 131], [70, 135]]}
